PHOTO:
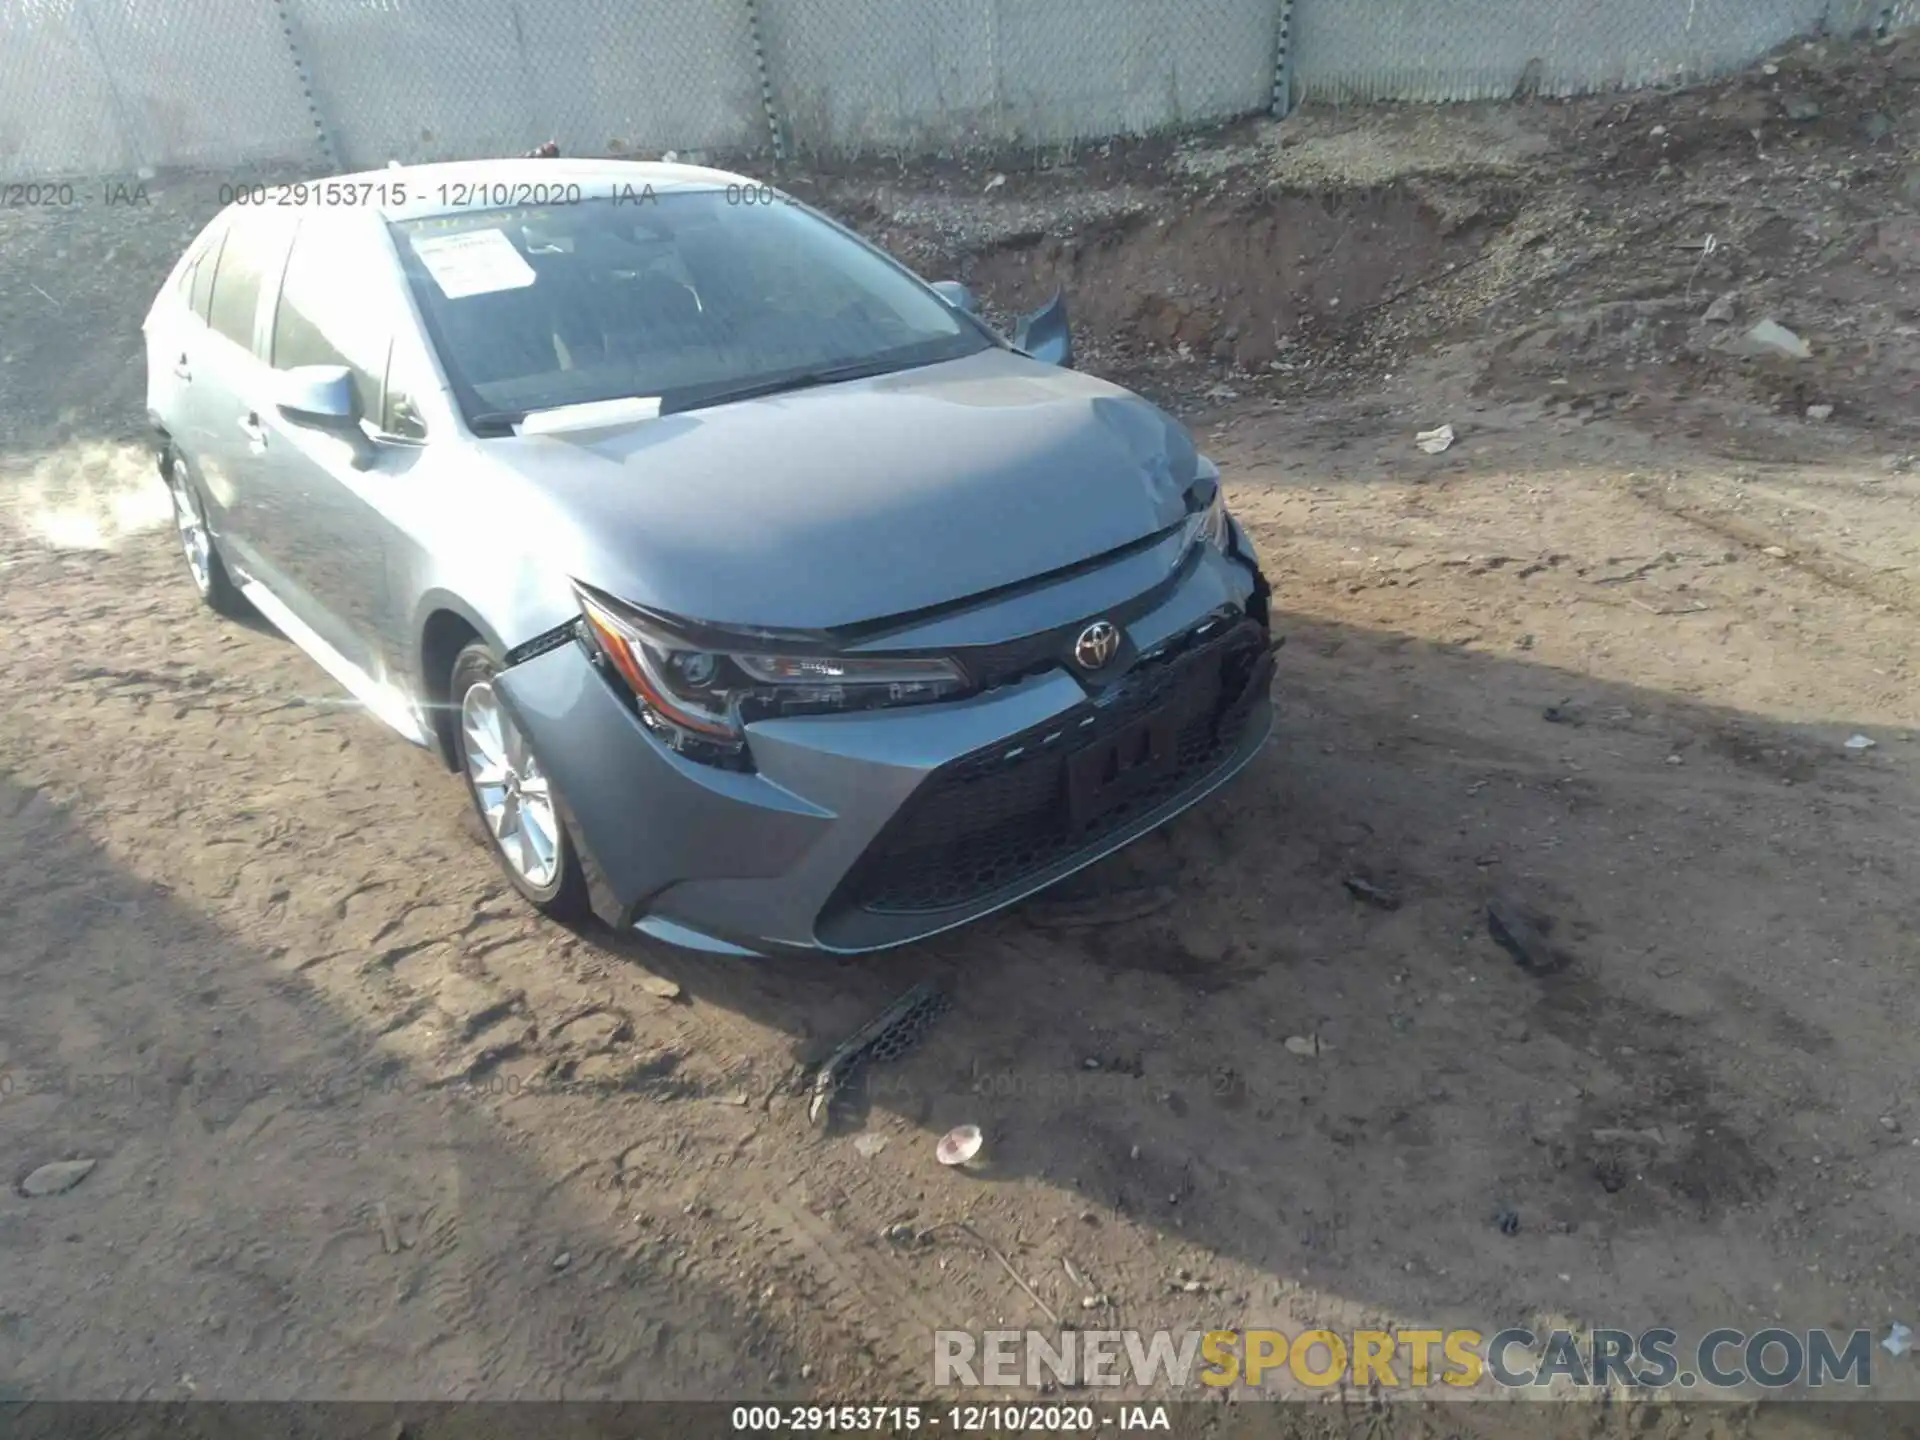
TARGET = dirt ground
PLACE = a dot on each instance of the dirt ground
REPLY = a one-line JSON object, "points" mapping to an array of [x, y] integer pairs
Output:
{"points": [[365, 1128]]}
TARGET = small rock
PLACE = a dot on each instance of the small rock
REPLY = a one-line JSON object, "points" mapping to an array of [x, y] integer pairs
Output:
{"points": [[1090, 1063], [1524, 938], [1087, 1217], [774, 1377], [1676, 760], [1092, 1302], [1776, 551], [869, 1144], [1859, 742], [661, 986], [1366, 890], [806, 1372], [1658, 131], [1769, 69], [57, 1178], [1724, 310], [1889, 1124], [1819, 412], [563, 1259], [1802, 109]]}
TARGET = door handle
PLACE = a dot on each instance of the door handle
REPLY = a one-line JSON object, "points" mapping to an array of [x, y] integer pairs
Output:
{"points": [[255, 432], [182, 369]]}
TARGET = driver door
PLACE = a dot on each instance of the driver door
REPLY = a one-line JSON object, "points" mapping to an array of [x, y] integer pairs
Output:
{"points": [[322, 491]]}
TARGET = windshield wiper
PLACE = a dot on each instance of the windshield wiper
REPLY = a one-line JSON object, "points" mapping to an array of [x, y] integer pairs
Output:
{"points": [[495, 422], [695, 398]]}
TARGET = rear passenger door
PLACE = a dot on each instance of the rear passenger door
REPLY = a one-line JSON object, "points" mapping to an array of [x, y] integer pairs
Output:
{"points": [[232, 385]]}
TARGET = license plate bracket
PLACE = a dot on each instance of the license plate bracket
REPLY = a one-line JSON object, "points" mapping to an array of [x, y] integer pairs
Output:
{"points": [[1117, 767]]}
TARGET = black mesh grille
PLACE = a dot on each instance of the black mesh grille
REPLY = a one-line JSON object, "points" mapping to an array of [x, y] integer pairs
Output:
{"points": [[989, 820]]}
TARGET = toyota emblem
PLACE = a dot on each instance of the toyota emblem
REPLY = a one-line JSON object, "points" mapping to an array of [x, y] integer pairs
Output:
{"points": [[1098, 644]]}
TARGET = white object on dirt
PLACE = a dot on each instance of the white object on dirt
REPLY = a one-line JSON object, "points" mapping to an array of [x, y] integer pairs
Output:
{"points": [[1820, 412], [1776, 551], [1435, 441], [1899, 1340], [57, 1178], [1308, 1047], [1770, 337], [996, 182], [959, 1145], [1859, 742], [869, 1144]]}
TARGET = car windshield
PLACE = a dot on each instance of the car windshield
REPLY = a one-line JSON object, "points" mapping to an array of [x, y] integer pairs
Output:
{"points": [[691, 297]]}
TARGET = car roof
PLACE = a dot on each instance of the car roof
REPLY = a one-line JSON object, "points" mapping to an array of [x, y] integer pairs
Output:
{"points": [[597, 179]]}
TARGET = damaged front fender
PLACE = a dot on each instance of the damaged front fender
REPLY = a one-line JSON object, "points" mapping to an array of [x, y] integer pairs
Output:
{"points": [[641, 817]]}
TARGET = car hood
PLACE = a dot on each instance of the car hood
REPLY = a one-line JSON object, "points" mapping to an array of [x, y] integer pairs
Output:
{"points": [[859, 501]]}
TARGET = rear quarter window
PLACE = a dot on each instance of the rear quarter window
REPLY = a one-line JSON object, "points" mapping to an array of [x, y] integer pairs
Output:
{"points": [[200, 278]]}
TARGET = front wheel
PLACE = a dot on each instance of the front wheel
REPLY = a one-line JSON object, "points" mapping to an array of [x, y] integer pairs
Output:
{"points": [[512, 794]]}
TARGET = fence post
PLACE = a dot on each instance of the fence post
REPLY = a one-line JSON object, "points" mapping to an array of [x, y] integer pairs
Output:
{"points": [[121, 119], [1283, 60], [304, 75], [766, 82]]}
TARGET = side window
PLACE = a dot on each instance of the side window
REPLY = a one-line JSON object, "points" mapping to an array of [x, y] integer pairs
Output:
{"points": [[200, 296], [329, 314], [236, 286], [399, 415]]}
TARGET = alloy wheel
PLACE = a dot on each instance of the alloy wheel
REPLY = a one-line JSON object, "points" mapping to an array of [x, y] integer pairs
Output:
{"points": [[515, 799]]}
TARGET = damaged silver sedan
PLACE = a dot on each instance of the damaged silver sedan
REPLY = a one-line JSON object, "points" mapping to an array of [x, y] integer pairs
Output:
{"points": [[764, 596]]}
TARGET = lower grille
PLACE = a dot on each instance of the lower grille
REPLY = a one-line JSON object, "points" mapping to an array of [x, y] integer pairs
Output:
{"points": [[989, 820]]}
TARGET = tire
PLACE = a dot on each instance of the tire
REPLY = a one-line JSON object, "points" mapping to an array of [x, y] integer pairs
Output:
{"points": [[197, 546], [518, 813]]}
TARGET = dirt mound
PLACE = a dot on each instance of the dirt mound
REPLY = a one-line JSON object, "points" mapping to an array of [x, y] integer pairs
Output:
{"points": [[1609, 252]]}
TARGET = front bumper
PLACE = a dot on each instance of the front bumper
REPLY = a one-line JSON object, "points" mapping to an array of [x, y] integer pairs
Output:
{"points": [[858, 832]]}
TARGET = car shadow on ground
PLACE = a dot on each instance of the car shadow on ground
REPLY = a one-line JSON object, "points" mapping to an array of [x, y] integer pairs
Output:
{"points": [[276, 1209]]}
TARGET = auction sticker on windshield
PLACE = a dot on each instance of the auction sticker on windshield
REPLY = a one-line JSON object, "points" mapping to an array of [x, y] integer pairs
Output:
{"points": [[477, 262]]}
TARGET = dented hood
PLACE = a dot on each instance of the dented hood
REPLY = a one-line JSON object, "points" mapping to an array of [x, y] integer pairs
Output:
{"points": [[858, 501]]}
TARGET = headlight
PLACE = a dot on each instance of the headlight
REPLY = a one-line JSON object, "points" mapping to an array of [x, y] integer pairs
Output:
{"points": [[713, 691]]}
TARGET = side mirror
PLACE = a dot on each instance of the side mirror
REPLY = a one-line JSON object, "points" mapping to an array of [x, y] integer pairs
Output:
{"points": [[1045, 334], [320, 396], [323, 397], [956, 295]]}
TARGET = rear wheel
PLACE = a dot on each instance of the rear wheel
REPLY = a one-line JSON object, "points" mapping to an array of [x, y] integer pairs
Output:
{"points": [[204, 565], [511, 792]]}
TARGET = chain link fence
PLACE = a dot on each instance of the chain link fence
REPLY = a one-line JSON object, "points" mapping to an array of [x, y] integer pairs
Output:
{"points": [[1360, 50], [108, 87]]}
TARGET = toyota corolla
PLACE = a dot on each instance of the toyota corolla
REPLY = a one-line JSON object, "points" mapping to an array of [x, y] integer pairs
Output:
{"points": [[763, 595]]}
